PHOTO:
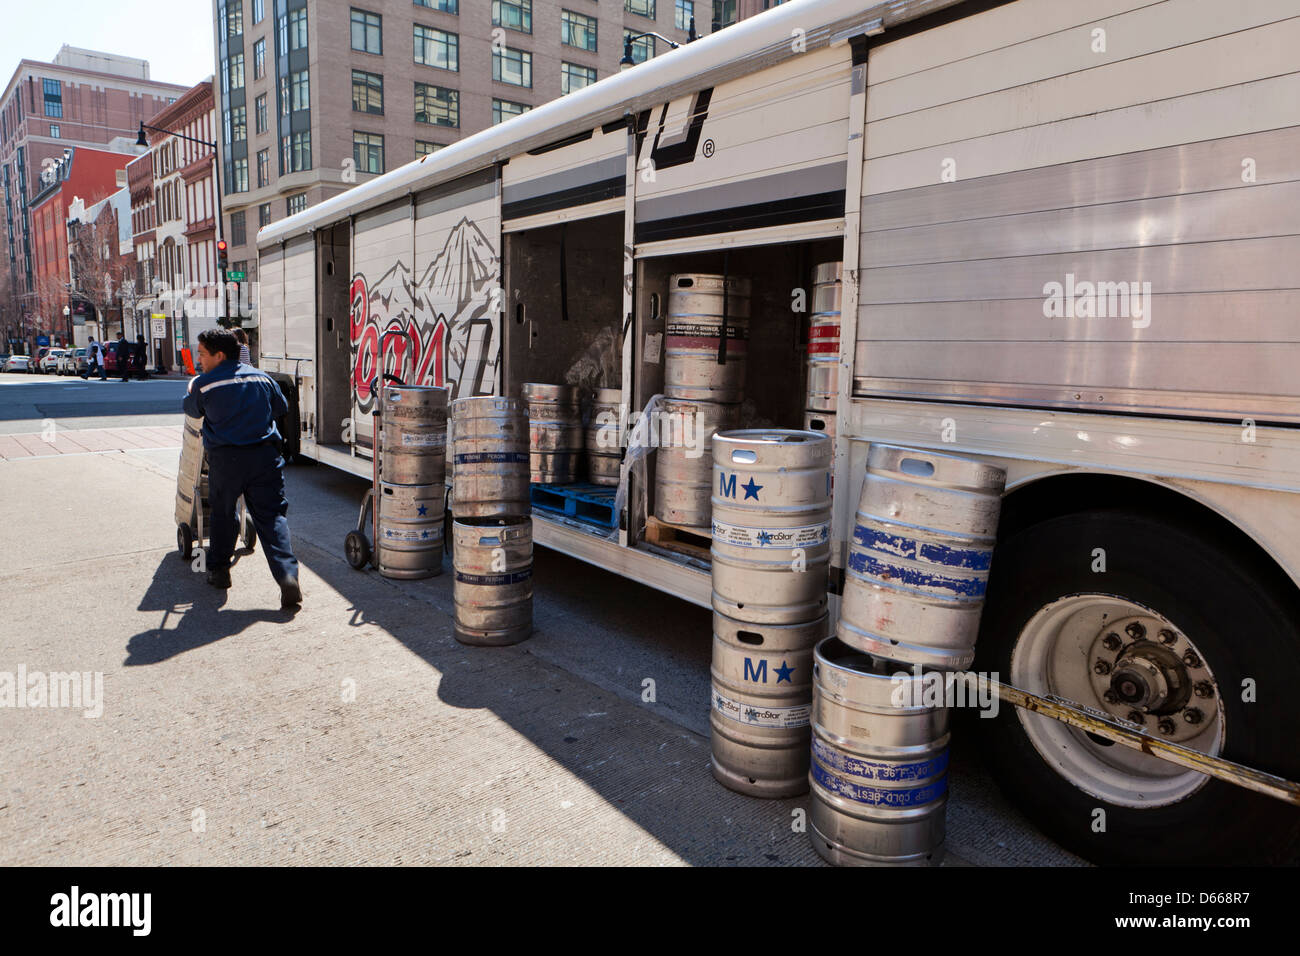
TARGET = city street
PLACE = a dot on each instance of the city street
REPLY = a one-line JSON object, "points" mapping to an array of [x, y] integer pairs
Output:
{"points": [[357, 730]]}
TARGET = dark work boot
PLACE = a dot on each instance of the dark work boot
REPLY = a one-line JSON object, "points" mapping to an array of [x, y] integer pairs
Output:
{"points": [[290, 593], [219, 578]]}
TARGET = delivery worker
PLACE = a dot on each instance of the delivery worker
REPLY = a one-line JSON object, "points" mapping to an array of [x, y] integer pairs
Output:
{"points": [[239, 405]]}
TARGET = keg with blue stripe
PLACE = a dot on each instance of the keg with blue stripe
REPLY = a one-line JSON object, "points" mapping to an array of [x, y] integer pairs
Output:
{"points": [[761, 693], [771, 524], [919, 556], [415, 435], [410, 530], [489, 458], [554, 432], [492, 559], [879, 770]]}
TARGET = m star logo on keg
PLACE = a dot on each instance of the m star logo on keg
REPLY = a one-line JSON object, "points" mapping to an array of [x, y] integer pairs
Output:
{"points": [[423, 510], [751, 490], [784, 672], [764, 537]]}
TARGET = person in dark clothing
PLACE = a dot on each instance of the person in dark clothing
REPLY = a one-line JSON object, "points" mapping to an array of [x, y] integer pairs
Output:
{"points": [[239, 405], [123, 357]]}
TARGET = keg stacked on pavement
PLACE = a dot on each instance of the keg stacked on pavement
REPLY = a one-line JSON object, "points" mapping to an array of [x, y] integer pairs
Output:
{"points": [[492, 531], [771, 549], [554, 433], [705, 348], [919, 561], [604, 437], [824, 350], [411, 481]]}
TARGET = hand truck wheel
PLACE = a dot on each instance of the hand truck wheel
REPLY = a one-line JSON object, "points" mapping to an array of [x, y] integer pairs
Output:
{"points": [[356, 549], [185, 541]]}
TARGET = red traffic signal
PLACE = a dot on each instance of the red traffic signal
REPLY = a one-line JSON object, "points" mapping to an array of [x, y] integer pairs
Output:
{"points": [[221, 254]]}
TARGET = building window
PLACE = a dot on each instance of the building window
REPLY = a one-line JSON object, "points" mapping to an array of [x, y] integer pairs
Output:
{"points": [[367, 32], [513, 15], [54, 130], [437, 106], [724, 13], [425, 148], [260, 113], [296, 151], [367, 92], [238, 229], [264, 215], [53, 98], [645, 8], [296, 203], [259, 11], [642, 49], [368, 152], [240, 183], [578, 30], [298, 29], [234, 18], [446, 6], [437, 48], [512, 66], [239, 123], [284, 96], [237, 71], [299, 90], [504, 109], [685, 11], [259, 59], [575, 77], [263, 167]]}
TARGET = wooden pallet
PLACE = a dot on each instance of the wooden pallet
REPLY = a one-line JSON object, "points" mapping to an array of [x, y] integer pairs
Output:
{"points": [[674, 537]]}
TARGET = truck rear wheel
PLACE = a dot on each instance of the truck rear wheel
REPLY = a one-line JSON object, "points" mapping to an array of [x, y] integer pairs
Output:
{"points": [[1191, 640]]}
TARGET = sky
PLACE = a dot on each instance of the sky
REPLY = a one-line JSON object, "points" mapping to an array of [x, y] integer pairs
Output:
{"points": [[175, 36]]}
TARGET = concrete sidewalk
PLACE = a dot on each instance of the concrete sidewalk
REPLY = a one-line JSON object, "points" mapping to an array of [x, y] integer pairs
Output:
{"points": [[359, 731]]}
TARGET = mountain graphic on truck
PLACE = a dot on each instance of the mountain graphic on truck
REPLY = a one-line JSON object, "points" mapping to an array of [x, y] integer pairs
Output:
{"points": [[443, 321]]}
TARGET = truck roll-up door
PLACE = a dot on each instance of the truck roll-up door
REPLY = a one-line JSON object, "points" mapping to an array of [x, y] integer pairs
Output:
{"points": [[270, 302], [300, 298], [583, 176]]}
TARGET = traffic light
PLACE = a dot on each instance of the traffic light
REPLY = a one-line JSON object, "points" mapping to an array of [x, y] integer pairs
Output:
{"points": [[222, 261]]}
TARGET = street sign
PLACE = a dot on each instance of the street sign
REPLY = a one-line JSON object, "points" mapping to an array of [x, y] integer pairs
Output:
{"points": [[234, 275], [158, 326], [42, 340]]}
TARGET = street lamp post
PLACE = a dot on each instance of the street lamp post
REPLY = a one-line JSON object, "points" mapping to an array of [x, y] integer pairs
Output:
{"points": [[143, 140], [627, 60]]}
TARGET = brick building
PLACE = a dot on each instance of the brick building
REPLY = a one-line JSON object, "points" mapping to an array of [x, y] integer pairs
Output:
{"points": [[81, 99]]}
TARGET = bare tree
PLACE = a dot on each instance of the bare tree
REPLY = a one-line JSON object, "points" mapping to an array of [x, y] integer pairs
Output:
{"points": [[99, 271]]}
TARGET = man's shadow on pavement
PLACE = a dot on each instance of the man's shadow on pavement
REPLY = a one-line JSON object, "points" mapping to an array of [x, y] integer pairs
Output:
{"points": [[184, 596]]}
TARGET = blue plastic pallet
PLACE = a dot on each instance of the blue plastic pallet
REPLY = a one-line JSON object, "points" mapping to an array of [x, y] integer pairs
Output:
{"points": [[593, 504]]}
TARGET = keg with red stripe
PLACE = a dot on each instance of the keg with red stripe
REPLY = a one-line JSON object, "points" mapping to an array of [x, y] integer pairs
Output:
{"points": [[824, 339], [706, 338]]}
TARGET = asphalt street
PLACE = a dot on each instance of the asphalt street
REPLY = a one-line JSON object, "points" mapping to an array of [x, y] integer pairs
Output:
{"points": [[357, 730]]}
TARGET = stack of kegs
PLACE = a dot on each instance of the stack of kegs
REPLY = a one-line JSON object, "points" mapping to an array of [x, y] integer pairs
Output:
{"points": [[411, 481], [918, 567], [604, 436], [706, 342], [824, 350], [492, 531], [554, 433], [771, 550]]}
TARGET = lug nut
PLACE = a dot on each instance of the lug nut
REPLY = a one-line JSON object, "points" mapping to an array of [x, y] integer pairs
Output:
{"points": [[1191, 659], [1135, 630], [1193, 716], [1111, 641], [1136, 717], [1110, 697], [1101, 667], [1167, 636], [1204, 688], [1166, 726]]}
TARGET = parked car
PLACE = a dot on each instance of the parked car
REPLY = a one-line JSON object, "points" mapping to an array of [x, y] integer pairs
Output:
{"points": [[72, 362], [17, 363], [49, 361]]}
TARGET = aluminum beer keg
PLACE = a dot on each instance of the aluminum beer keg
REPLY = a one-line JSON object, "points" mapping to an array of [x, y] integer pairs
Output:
{"points": [[693, 337], [554, 433], [771, 524], [919, 559], [684, 461], [490, 457], [879, 771], [604, 437], [493, 589], [410, 530], [415, 435], [762, 690], [824, 339]]}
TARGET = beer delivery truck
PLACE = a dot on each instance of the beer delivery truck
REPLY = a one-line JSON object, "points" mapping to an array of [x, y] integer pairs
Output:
{"points": [[1069, 233]]}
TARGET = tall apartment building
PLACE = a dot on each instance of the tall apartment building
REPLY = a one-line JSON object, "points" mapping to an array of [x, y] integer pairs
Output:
{"points": [[81, 99], [319, 95]]}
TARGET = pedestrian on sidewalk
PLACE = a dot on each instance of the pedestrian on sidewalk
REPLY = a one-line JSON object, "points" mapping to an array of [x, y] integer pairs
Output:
{"points": [[141, 356], [239, 406], [95, 360], [123, 357], [245, 356]]}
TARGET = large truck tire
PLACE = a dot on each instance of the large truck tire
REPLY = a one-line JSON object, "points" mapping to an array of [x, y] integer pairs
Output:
{"points": [[1171, 595]]}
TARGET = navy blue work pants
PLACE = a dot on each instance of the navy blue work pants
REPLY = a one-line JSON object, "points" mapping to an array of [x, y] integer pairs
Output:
{"points": [[254, 471]]}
